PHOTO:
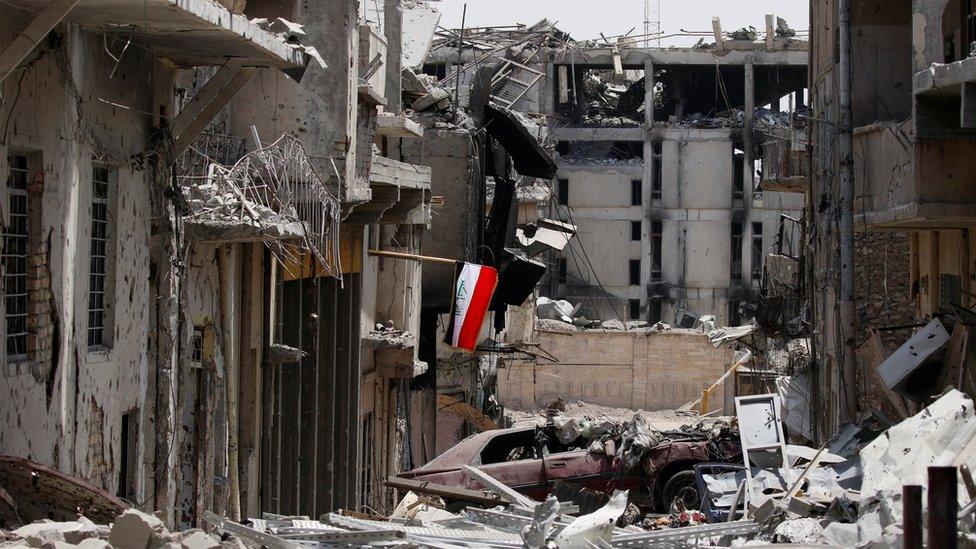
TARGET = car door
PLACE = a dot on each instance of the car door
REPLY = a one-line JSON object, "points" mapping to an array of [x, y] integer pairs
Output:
{"points": [[583, 468], [525, 475]]}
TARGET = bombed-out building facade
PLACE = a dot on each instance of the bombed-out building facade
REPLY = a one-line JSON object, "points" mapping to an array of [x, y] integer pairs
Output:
{"points": [[891, 200], [191, 317], [219, 220], [662, 153]]}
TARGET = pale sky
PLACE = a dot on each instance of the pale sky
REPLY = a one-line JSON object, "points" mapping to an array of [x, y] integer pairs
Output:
{"points": [[585, 19]]}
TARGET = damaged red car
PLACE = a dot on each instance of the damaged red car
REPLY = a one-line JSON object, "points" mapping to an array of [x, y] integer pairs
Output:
{"points": [[532, 460]]}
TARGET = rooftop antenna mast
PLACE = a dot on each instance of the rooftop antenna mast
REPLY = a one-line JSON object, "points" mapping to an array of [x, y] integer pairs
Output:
{"points": [[652, 21]]}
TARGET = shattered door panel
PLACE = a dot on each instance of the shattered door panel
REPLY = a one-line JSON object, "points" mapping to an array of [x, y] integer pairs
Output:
{"points": [[582, 468]]}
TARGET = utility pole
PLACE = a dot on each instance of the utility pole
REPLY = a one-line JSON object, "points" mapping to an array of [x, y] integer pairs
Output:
{"points": [[845, 151]]}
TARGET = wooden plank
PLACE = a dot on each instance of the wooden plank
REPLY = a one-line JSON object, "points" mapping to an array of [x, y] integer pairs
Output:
{"points": [[32, 35], [205, 96], [480, 421], [873, 353], [223, 96], [443, 490]]}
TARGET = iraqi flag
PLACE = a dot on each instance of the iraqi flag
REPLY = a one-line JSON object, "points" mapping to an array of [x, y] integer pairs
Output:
{"points": [[473, 287]]}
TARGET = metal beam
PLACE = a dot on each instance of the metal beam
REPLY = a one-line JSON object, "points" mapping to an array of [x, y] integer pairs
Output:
{"points": [[30, 37]]}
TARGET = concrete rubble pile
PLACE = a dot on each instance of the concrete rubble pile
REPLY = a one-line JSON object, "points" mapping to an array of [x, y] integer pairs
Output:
{"points": [[855, 498], [849, 498], [132, 529]]}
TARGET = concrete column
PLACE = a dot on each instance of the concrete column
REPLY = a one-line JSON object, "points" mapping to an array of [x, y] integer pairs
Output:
{"points": [[547, 98], [748, 171], [648, 186]]}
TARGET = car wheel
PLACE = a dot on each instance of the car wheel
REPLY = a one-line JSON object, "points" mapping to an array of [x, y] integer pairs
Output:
{"points": [[681, 486]]}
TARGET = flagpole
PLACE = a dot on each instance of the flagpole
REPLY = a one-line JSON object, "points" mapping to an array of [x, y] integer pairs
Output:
{"points": [[412, 257]]}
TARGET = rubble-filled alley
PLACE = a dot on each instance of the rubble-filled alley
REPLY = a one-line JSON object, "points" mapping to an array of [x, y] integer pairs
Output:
{"points": [[283, 274]]}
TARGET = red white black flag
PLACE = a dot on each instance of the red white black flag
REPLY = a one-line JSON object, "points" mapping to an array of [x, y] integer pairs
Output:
{"points": [[473, 288]]}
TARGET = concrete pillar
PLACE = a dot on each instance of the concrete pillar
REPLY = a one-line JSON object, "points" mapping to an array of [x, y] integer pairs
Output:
{"points": [[648, 186], [748, 171], [547, 102], [393, 27]]}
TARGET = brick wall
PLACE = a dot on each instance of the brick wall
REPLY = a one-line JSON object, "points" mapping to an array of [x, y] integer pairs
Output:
{"points": [[882, 293], [650, 371]]}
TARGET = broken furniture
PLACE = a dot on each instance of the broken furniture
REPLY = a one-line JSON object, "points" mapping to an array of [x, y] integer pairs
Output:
{"points": [[761, 435], [912, 370], [543, 235]]}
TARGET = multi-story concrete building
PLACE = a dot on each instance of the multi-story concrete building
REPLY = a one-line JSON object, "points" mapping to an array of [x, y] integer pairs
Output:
{"points": [[894, 80], [659, 153], [670, 216], [188, 199]]}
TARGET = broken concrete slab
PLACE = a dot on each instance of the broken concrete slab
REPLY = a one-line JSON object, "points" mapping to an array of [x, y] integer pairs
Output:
{"points": [[943, 433], [199, 540], [74, 532], [134, 529], [435, 96]]}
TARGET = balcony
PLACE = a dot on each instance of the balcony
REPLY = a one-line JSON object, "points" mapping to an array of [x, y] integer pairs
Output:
{"points": [[785, 163], [908, 182], [400, 195], [188, 33], [945, 99]]}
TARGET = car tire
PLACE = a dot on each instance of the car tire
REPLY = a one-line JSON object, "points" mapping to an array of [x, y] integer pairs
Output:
{"points": [[681, 484]]}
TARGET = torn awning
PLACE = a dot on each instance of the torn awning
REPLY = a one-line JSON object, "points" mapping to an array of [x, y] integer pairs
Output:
{"points": [[530, 159]]}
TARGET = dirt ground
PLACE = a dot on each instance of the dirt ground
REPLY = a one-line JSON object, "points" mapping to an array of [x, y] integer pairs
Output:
{"points": [[662, 419]]}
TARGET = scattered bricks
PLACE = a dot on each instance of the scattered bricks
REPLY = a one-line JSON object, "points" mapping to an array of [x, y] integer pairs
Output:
{"points": [[199, 540], [39, 534], [134, 530]]}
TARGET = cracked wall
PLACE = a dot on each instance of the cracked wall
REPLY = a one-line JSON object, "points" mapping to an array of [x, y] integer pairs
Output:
{"points": [[63, 109]]}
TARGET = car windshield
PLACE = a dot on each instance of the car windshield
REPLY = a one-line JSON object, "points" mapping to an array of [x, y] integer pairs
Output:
{"points": [[510, 447]]}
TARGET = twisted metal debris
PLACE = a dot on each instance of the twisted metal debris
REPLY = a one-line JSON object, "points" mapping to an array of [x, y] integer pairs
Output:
{"points": [[276, 190]]}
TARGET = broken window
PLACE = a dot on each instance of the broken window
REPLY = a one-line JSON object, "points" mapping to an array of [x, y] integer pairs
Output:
{"points": [[127, 451], [636, 192], [509, 447], [366, 460], [736, 253], [15, 248], [99, 279], [563, 191], [656, 183], [757, 252], [563, 269], [634, 307], [738, 176], [657, 240], [196, 346], [635, 266], [654, 313], [635, 230]]}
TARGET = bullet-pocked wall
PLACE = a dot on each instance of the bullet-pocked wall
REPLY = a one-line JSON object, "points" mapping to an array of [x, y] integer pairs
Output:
{"points": [[74, 179]]}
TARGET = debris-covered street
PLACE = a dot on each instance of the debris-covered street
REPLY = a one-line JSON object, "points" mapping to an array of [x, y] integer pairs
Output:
{"points": [[446, 273]]}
